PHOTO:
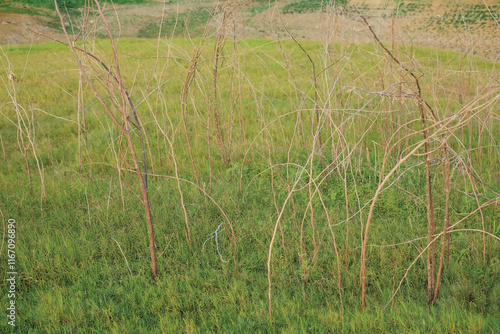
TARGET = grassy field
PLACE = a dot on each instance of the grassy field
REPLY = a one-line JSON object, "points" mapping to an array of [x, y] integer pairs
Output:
{"points": [[304, 139]]}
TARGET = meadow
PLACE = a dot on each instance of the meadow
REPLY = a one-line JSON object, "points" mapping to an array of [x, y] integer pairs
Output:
{"points": [[294, 186]]}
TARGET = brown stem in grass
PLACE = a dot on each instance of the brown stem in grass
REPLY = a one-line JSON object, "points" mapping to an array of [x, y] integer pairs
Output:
{"points": [[450, 230], [81, 119], [232, 237], [115, 155], [441, 127], [143, 180], [311, 207], [220, 41], [20, 124], [276, 203], [347, 217], [25, 131], [242, 118], [23, 148], [446, 174], [125, 128], [271, 246], [215, 105], [278, 222], [185, 89], [474, 187], [3, 148], [431, 225], [232, 98], [210, 171], [143, 136], [316, 97], [176, 170]]}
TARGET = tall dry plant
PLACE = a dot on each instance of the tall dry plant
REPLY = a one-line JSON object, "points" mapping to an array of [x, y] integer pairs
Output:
{"points": [[222, 34], [424, 109], [25, 125], [122, 106]]}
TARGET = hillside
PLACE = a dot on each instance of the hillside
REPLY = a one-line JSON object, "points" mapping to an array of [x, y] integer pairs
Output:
{"points": [[461, 25]]}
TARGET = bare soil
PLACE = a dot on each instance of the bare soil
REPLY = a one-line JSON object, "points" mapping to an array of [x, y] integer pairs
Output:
{"points": [[12, 34]]}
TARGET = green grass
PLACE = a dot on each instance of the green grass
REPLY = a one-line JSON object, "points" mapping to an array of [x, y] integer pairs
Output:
{"points": [[69, 3], [472, 17], [190, 23], [72, 276], [308, 6]]}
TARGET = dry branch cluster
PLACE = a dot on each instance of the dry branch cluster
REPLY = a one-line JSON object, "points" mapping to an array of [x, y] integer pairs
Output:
{"points": [[330, 118]]}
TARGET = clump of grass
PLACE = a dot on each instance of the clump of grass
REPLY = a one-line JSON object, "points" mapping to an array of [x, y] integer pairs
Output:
{"points": [[190, 23], [309, 6], [12, 7]]}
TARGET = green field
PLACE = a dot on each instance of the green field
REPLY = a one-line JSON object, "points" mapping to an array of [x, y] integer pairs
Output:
{"points": [[305, 137]]}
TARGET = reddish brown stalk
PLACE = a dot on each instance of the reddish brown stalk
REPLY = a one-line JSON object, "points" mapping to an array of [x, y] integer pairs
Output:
{"points": [[220, 41], [125, 128], [431, 225], [215, 106], [447, 186]]}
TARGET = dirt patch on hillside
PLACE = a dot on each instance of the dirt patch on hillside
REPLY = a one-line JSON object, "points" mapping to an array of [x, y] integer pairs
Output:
{"points": [[13, 34]]}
